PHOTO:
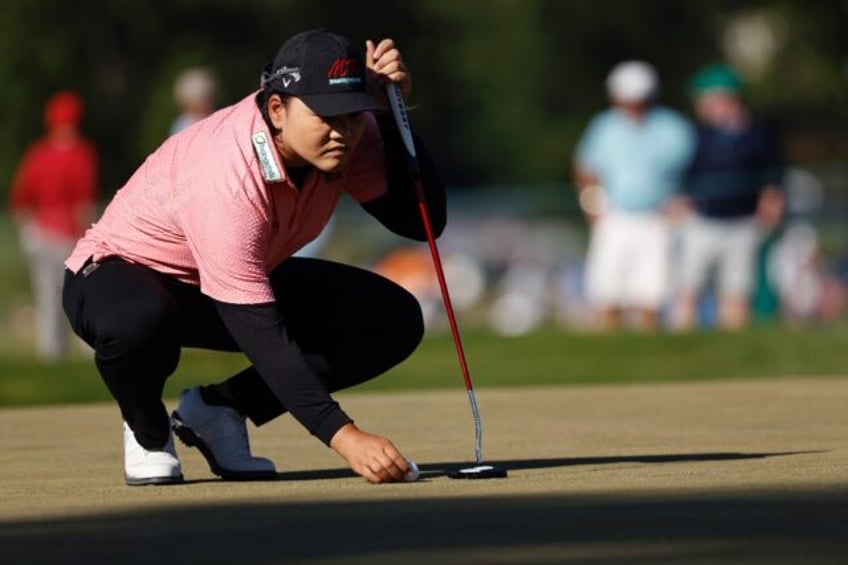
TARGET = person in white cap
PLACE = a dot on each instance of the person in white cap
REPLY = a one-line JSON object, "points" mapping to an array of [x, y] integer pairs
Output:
{"points": [[195, 91], [627, 167]]}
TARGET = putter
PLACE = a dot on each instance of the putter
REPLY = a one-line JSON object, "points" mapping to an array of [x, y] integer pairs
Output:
{"points": [[480, 471]]}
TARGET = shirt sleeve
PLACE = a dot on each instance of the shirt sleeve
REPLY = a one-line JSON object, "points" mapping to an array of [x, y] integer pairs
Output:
{"points": [[586, 153], [21, 194], [398, 208], [260, 332], [683, 143], [771, 163]]}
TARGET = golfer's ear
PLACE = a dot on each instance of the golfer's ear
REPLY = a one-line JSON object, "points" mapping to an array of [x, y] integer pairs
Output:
{"points": [[277, 110]]}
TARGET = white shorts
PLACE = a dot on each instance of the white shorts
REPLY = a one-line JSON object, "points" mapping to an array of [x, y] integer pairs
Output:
{"points": [[628, 261], [727, 247]]}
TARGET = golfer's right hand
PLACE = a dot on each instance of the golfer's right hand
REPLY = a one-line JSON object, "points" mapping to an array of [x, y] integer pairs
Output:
{"points": [[373, 457]]}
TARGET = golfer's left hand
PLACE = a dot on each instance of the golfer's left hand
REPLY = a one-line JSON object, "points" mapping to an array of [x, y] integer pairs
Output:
{"points": [[385, 65]]}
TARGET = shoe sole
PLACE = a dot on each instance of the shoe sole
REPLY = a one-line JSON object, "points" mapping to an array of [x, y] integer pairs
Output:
{"points": [[175, 480], [190, 439]]}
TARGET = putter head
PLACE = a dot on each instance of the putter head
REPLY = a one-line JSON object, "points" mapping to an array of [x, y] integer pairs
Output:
{"points": [[479, 472]]}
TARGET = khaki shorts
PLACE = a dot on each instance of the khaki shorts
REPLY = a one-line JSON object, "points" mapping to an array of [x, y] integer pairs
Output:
{"points": [[628, 261], [726, 249]]}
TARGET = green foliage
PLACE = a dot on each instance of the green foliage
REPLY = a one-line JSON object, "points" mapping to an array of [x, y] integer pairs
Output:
{"points": [[502, 87], [14, 283], [552, 357]]}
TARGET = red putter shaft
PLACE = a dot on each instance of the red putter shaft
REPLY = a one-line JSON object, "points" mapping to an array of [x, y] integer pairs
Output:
{"points": [[402, 119]]}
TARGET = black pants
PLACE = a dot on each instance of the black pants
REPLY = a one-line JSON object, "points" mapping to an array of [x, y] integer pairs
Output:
{"points": [[351, 324]]}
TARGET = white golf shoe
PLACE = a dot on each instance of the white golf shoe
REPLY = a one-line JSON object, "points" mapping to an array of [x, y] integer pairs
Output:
{"points": [[220, 433], [145, 467]]}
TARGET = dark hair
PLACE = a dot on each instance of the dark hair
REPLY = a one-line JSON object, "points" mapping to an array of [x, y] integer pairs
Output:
{"points": [[262, 98]]}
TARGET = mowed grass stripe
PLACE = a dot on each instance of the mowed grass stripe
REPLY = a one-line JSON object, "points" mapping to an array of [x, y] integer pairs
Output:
{"points": [[547, 357]]}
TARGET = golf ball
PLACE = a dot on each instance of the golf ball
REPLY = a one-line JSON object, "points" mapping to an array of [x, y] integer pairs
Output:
{"points": [[413, 473]]}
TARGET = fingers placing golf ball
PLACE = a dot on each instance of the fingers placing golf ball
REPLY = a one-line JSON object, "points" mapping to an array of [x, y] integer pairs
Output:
{"points": [[413, 473]]}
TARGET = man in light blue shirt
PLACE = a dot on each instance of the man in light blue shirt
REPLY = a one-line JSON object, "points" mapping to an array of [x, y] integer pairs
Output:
{"points": [[628, 166]]}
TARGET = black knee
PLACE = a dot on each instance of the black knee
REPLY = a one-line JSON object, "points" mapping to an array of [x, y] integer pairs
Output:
{"points": [[414, 321], [404, 322], [145, 343]]}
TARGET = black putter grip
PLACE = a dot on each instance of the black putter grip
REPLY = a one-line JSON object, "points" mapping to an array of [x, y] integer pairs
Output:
{"points": [[402, 120]]}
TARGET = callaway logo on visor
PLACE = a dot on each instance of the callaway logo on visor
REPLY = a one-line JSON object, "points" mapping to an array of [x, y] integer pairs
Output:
{"points": [[344, 71], [287, 74]]}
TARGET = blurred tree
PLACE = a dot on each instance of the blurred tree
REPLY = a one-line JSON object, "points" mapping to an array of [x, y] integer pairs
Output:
{"points": [[502, 87]]}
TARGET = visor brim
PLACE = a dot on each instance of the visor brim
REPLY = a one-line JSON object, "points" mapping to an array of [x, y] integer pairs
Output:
{"points": [[328, 105]]}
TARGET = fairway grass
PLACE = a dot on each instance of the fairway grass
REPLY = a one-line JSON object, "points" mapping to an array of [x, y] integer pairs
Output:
{"points": [[547, 357]]}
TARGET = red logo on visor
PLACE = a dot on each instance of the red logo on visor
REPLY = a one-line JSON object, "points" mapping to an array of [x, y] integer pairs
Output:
{"points": [[343, 67]]}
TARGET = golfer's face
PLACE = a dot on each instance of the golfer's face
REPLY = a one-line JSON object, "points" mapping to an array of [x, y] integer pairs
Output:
{"points": [[325, 143]]}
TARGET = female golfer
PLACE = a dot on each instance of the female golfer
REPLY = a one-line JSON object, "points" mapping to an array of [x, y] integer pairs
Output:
{"points": [[195, 250]]}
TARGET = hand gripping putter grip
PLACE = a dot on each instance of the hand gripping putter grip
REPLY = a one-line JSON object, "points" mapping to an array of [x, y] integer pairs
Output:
{"points": [[480, 471]]}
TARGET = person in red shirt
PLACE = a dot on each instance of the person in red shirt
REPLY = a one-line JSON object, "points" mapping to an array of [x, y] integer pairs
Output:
{"points": [[52, 199]]}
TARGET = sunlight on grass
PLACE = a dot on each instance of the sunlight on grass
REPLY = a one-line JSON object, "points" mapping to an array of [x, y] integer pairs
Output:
{"points": [[549, 357]]}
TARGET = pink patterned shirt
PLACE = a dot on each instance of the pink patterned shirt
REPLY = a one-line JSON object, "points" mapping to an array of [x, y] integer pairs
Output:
{"points": [[213, 206]]}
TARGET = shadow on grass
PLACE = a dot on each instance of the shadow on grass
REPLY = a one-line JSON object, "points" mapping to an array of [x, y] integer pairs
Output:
{"points": [[434, 470], [757, 527]]}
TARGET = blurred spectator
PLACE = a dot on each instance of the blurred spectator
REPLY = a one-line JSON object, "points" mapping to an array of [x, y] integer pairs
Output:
{"points": [[809, 290], [195, 92], [733, 188], [521, 304], [52, 199], [628, 165]]}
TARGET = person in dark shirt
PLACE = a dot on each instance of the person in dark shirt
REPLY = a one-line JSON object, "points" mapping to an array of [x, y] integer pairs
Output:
{"points": [[733, 187]]}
